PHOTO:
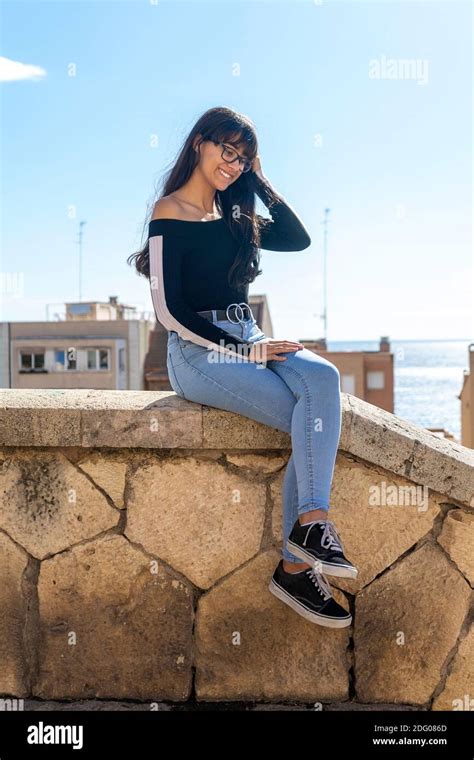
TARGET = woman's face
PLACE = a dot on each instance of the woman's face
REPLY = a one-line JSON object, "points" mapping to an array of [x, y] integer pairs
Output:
{"points": [[218, 172]]}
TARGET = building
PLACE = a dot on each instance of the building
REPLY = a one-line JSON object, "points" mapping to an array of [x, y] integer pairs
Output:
{"points": [[98, 345], [369, 375], [466, 397]]}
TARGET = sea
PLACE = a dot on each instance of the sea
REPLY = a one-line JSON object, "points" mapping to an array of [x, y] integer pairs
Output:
{"points": [[428, 378]]}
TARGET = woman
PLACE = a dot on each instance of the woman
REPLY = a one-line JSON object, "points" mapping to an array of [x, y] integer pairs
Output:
{"points": [[202, 253]]}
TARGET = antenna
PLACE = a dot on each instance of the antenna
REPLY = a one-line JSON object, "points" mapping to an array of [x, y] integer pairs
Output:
{"points": [[81, 224], [324, 315]]}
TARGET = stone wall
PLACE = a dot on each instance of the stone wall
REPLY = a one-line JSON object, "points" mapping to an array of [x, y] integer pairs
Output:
{"points": [[139, 532]]}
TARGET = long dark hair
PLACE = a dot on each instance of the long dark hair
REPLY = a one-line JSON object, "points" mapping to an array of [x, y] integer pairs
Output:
{"points": [[236, 204]]}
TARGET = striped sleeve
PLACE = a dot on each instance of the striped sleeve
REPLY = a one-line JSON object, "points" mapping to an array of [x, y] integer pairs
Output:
{"points": [[172, 311]]}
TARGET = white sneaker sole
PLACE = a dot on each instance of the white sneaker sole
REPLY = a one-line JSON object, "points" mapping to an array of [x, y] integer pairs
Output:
{"points": [[313, 617], [340, 571]]}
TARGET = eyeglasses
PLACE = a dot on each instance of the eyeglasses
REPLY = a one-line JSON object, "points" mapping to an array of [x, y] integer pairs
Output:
{"points": [[230, 156]]}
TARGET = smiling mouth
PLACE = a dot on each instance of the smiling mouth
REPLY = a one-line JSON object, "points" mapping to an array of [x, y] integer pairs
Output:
{"points": [[224, 174]]}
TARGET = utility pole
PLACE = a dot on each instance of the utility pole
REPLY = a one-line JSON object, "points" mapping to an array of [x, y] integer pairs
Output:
{"points": [[81, 224], [324, 315]]}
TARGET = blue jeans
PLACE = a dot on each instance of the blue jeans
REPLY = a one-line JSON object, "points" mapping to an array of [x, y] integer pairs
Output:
{"points": [[300, 396]]}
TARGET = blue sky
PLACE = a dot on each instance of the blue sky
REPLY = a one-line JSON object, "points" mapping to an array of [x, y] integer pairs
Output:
{"points": [[391, 157]]}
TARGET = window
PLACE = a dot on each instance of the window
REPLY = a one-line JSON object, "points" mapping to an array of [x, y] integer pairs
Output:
{"points": [[121, 360], [91, 358], [98, 359], [64, 359], [71, 358], [103, 358], [32, 361], [348, 384], [80, 308], [375, 381], [59, 360]]}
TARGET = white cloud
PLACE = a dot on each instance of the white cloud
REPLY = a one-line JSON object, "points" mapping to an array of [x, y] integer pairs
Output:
{"points": [[11, 71]]}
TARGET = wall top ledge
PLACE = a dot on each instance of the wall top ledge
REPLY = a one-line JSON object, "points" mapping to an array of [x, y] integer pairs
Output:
{"points": [[160, 419]]}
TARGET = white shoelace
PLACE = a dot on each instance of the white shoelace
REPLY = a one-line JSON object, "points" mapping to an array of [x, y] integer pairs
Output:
{"points": [[330, 538], [319, 582]]}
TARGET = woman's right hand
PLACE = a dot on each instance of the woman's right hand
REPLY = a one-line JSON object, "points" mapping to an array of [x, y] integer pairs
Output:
{"points": [[268, 349]]}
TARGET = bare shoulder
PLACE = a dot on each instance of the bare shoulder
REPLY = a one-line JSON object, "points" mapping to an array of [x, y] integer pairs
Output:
{"points": [[167, 208]]}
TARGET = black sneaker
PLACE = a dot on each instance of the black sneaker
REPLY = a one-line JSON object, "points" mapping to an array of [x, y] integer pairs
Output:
{"points": [[309, 594], [318, 543]]}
